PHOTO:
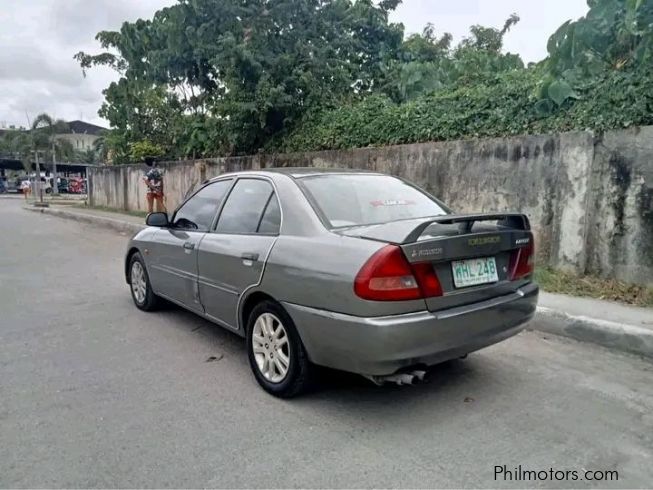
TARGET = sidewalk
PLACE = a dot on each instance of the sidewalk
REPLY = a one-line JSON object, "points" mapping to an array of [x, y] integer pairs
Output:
{"points": [[613, 325], [124, 223], [610, 324]]}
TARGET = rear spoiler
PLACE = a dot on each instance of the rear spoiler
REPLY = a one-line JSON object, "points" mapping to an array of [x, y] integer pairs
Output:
{"points": [[512, 220]]}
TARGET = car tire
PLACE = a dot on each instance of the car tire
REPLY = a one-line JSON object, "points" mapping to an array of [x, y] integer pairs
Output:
{"points": [[299, 371], [139, 285]]}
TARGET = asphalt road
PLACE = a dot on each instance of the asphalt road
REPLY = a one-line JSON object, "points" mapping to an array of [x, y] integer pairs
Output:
{"points": [[94, 393]]}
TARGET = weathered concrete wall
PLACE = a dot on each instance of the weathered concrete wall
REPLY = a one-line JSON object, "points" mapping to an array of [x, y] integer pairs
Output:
{"points": [[121, 187], [620, 206], [589, 198]]}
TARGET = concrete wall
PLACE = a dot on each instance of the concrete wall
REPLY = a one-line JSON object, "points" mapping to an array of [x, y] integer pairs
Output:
{"points": [[620, 206], [589, 197]]}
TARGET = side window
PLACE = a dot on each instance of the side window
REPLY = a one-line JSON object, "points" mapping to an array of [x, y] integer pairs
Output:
{"points": [[244, 207], [198, 212], [271, 220]]}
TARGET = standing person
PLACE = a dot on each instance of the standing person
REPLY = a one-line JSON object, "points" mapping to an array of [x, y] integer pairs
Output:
{"points": [[154, 181], [26, 187]]}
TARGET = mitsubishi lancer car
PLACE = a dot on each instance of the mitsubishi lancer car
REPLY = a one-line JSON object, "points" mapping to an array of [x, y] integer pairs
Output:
{"points": [[352, 270]]}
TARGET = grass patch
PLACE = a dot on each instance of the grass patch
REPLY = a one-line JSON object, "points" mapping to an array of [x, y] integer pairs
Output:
{"points": [[140, 214], [555, 281]]}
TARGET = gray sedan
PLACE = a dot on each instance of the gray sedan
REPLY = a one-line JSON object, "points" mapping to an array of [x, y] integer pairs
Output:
{"points": [[351, 270]]}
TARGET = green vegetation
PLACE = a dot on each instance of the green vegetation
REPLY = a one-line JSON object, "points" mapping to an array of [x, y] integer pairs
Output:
{"points": [[21, 144], [224, 77], [503, 106], [595, 287]]}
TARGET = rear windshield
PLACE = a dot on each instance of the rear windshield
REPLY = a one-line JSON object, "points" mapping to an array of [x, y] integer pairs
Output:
{"points": [[353, 200]]}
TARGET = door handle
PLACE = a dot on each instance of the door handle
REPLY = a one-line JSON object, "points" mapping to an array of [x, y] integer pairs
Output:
{"points": [[249, 256], [189, 245]]}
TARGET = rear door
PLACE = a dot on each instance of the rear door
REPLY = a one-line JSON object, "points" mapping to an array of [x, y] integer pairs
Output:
{"points": [[173, 268], [232, 257]]}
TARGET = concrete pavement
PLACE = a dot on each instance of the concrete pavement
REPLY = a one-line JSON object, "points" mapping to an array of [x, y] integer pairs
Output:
{"points": [[94, 393]]}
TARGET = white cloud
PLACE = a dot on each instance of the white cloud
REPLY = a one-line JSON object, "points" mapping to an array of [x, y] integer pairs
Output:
{"points": [[38, 40]]}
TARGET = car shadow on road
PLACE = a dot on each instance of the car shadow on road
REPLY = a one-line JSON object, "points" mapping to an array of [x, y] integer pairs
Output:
{"points": [[347, 386], [333, 385]]}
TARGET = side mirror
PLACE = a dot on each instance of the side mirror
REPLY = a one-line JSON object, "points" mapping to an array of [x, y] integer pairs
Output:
{"points": [[159, 220]]}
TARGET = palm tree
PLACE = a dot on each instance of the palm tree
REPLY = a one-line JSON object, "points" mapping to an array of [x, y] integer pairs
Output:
{"points": [[44, 129], [18, 145], [101, 148]]}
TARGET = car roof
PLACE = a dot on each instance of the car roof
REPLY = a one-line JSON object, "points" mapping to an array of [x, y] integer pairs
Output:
{"points": [[299, 172]]}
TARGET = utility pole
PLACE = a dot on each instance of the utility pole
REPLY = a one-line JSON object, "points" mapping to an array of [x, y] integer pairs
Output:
{"points": [[55, 185], [38, 189]]}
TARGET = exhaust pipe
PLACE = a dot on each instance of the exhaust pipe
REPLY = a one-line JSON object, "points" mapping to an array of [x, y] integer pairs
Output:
{"points": [[409, 378], [419, 375]]}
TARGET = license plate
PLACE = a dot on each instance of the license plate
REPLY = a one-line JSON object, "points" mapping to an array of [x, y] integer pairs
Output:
{"points": [[472, 272]]}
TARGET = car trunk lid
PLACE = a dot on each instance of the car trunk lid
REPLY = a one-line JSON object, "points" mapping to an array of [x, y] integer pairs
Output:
{"points": [[462, 249]]}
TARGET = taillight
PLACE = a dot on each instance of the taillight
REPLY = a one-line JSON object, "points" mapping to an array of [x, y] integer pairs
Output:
{"points": [[387, 276], [522, 261]]}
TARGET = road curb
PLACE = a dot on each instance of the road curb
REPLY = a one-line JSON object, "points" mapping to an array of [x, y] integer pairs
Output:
{"points": [[105, 221], [617, 336]]}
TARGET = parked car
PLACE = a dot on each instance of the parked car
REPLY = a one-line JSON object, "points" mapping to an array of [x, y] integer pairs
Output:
{"points": [[356, 271], [13, 186], [62, 185]]}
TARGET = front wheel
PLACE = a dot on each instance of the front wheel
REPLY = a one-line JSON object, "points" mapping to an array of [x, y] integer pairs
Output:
{"points": [[139, 281], [276, 353]]}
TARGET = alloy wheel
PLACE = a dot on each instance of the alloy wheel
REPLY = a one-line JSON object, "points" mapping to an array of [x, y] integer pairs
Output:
{"points": [[271, 347], [138, 282]]}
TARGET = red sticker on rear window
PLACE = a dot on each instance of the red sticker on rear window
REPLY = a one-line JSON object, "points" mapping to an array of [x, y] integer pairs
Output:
{"points": [[392, 202]]}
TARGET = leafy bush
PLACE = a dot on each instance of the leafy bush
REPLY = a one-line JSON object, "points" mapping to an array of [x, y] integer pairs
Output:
{"points": [[141, 150], [506, 105]]}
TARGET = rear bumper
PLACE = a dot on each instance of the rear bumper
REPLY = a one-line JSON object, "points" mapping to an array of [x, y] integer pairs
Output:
{"points": [[383, 345]]}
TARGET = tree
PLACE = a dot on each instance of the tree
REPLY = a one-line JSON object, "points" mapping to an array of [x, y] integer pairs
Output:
{"points": [[44, 131], [142, 150], [18, 144], [613, 35], [101, 148], [250, 68], [430, 63]]}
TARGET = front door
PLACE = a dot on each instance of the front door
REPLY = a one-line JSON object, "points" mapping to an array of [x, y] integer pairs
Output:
{"points": [[174, 266], [174, 257], [232, 258]]}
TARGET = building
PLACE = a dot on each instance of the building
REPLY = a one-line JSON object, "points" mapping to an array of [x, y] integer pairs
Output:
{"points": [[82, 135]]}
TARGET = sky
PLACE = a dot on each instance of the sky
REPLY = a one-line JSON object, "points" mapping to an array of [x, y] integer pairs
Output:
{"points": [[38, 39]]}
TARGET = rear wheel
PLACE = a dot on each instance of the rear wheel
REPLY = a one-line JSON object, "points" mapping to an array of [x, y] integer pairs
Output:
{"points": [[141, 289], [276, 353]]}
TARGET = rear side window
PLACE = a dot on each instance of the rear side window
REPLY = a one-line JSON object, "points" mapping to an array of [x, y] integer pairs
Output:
{"points": [[351, 200], [199, 211], [244, 207]]}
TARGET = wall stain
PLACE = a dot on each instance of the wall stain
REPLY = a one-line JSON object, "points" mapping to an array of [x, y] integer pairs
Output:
{"points": [[549, 147], [621, 180], [501, 152], [516, 154]]}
